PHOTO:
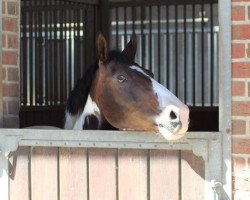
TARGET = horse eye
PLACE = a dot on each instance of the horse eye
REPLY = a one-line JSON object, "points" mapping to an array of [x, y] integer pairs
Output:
{"points": [[121, 78]]}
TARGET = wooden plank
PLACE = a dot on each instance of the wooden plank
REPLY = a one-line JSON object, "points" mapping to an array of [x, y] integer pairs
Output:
{"points": [[132, 174], [44, 173], [192, 176], [73, 176], [164, 173], [19, 183], [102, 174]]}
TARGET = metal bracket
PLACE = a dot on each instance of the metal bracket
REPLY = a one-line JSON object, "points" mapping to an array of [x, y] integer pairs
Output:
{"points": [[8, 144], [216, 185], [203, 144], [210, 149], [200, 148]]}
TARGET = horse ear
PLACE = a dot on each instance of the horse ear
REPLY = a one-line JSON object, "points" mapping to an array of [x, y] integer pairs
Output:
{"points": [[130, 49], [102, 49]]}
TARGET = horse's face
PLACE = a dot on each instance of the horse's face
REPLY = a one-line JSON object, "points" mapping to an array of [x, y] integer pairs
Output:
{"points": [[130, 99]]}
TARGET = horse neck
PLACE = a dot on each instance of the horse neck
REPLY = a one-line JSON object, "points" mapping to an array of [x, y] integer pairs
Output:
{"points": [[94, 93]]}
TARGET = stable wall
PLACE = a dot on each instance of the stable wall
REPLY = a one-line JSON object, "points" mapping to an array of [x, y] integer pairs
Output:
{"points": [[10, 64], [240, 85], [241, 99]]}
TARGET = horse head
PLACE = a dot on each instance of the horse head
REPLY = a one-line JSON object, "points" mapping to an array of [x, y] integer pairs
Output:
{"points": [[130, 99]]}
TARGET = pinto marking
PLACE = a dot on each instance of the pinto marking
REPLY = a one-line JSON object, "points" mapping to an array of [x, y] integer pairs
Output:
{"points": [[117, 93], [77, 122]]}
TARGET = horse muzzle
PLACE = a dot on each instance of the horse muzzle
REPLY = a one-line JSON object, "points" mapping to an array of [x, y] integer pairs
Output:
{"points": [[173, 122]]}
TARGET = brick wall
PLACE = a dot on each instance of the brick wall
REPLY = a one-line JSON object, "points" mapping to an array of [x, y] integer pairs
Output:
{"points": [[241, 98], [10, 61], [240, 85]]}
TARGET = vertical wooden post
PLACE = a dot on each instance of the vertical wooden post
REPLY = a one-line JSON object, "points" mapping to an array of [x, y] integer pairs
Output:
{"points": [[225, 96], [4, 171]]}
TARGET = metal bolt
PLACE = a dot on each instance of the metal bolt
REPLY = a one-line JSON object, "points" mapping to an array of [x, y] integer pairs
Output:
{"points": [[228, 130], [215, 184]]}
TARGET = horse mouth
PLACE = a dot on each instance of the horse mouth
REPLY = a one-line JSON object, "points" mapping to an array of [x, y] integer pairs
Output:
{"points": [[171, 132], [171, 127]]}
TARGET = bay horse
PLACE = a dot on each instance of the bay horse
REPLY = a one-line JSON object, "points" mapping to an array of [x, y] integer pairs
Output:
{"points": [[118, 93]]}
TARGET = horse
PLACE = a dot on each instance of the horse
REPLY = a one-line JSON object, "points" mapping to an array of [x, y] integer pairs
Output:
{"points": [[116, 92]]}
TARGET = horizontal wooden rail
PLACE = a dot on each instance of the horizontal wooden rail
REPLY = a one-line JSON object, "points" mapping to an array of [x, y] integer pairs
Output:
{"points": [[10, 139], [204, 144], [100, 139]]}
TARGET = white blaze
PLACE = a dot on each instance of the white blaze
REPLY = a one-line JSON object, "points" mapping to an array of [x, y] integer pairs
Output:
{"points": [[168, 102]]}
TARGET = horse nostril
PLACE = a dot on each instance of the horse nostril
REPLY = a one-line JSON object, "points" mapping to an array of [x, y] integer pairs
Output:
{"points": [[161, 125], [172, 115]]}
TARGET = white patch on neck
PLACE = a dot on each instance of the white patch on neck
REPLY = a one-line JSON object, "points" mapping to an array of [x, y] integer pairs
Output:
{"points": [[90, 108]]}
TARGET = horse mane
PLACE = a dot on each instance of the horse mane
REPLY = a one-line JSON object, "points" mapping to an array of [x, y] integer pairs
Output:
{"points": [[119, 57], [78, 96]]}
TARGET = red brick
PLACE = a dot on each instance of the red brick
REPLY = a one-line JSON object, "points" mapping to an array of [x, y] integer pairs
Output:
{"points": [[3, 7], [11, 122], [248, 50], [248, 12], [13, 41], [13, 74], [4, 40], [238, 88], [240, 0], [241, 146], [241, 183], [241, 69], [241, 32], [12, 8], [238, 127], [238, 50], [238, 13], [13, 107], [5, 110], [10, 57], [239, 164], [239, 195], [4, 73], [11, 90], [10, 24], [240, 108], [249, 89]]}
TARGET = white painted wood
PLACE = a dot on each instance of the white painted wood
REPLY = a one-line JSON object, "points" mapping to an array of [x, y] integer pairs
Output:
{"points": [[205, 144], [4, 186], [225, 96]]}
